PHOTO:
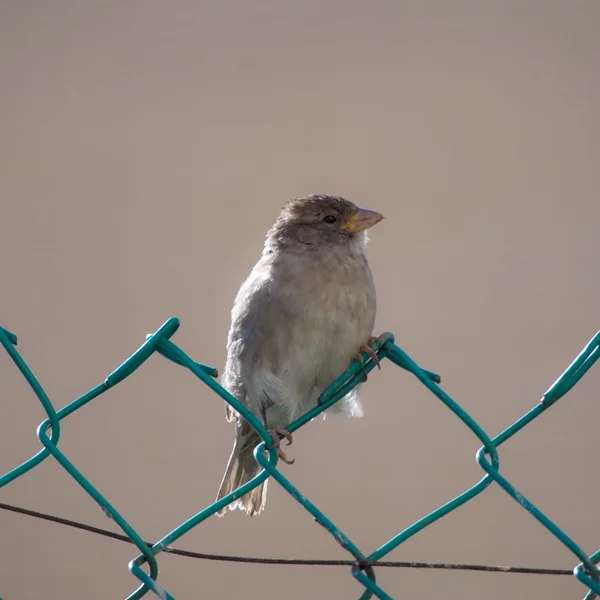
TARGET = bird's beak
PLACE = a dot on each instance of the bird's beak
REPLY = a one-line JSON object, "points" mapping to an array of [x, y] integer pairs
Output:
{"points": [[362, 219]]}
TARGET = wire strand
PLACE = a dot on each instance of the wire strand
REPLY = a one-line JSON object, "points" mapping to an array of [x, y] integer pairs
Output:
{"points": [[286, 561]]}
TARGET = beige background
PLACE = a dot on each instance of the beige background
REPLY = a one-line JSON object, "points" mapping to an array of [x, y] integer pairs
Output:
{"points": [[146, 147]]}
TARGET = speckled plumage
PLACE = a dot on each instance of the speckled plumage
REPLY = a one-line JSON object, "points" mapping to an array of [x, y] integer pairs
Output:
{"points": [[297, 322]]}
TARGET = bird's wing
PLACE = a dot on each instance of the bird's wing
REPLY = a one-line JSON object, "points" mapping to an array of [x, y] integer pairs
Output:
{"points": [[256, 313]]}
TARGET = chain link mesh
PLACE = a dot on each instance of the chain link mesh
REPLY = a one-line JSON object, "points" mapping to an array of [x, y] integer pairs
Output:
{"points": [[363, 567]]}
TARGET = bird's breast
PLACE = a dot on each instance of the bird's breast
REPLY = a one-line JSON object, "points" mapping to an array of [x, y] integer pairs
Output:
{"points": [[333, 306]]}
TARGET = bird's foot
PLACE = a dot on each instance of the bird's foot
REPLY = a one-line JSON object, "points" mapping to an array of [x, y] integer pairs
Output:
{"points": [[275, 433], [367, 348]]}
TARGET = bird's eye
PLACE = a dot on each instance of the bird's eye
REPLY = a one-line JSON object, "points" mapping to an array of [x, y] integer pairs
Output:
{"points": [[329, 219]]}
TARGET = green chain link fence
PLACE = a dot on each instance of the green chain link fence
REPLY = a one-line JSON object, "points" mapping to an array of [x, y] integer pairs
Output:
{"points": [[363, 568]]}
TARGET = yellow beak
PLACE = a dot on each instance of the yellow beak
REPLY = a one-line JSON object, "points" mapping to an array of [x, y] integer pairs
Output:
{"points": [[362, 219]]}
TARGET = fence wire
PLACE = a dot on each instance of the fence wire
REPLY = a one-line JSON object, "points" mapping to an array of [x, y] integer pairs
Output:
{"points": [[362, 565]]}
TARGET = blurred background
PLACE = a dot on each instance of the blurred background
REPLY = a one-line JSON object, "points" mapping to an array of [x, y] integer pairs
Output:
{"points": [[145, 149]]}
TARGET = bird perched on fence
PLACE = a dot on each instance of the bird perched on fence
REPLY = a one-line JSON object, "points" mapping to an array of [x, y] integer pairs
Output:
{"points": [[298, 321]]}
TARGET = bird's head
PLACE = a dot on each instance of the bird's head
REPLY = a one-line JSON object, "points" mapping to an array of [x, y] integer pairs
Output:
{"points": [[320, 220]]}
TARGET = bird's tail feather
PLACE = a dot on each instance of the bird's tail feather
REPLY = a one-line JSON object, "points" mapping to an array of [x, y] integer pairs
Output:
{"points": [[241, 468]]}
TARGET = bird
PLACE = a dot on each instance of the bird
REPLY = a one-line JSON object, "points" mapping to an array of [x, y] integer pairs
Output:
{"points": [[305, 312]]}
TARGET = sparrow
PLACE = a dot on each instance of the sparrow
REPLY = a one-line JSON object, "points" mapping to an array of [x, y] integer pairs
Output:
{"points": [[304, 313]]}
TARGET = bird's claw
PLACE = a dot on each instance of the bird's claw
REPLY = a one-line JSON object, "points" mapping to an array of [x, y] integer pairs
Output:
{"points": [[367, 348], [284, 457], [275, 433]]}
